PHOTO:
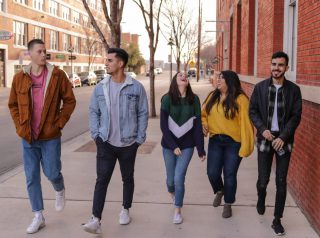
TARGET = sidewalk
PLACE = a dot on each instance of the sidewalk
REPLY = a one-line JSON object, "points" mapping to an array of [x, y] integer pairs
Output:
{"points": [[152, 209]]}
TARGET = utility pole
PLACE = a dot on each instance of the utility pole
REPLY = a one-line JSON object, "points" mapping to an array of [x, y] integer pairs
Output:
{"points": [[199, 40]]}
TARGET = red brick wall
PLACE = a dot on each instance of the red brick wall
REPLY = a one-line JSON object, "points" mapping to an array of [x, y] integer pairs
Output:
{"points": [[270, 33], [308, 55]]}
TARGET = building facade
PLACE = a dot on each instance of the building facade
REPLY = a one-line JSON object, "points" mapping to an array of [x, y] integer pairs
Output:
{"points": [[249, 32], [65, 27]]}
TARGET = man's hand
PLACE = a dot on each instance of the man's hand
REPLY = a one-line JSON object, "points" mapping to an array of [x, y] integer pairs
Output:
{"points": [[277, 144], [177, 151], [267, 135]]}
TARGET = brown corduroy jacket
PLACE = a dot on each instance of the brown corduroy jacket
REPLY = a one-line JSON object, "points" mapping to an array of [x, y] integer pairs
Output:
{"points": [[54, 116]]}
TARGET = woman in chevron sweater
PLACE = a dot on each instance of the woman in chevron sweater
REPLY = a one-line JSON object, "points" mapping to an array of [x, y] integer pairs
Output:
{"points": [[180, 121], [225, 116]]}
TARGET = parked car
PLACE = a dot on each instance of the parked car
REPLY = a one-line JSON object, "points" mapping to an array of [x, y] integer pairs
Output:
{"points": [[75, 80], [132, 74], [101, 74], [158, 70], [89, 78], [155, 72], [192, 73]]}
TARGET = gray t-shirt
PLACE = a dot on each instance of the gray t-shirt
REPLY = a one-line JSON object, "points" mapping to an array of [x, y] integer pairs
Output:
{"points": [[114, 133]]}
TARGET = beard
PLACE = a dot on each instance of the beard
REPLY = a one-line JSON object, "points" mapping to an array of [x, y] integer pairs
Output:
{"points": [[280, 74]]}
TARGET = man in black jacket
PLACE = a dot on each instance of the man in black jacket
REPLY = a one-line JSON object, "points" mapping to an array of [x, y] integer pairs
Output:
{"points": [[275, 110]]}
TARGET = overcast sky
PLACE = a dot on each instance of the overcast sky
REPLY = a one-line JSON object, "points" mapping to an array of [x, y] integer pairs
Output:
{"points": [[133, 23]]}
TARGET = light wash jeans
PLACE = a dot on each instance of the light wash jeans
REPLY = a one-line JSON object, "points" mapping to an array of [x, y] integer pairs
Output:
{"points": [[176, 167], [47, 153]]}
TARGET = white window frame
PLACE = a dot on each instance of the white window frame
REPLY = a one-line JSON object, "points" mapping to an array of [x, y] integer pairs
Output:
{"points": [[65, 13], [85, 20], [76, 17], [53, 7], [2, 5], [66, 41], [20, 30], [24, 2], [77, 44], [290, 36], [54, 40], [38, 4], [39, 33]]}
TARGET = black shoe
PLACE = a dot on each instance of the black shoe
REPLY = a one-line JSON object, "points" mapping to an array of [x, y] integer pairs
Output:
{"points": [[261, 207], [277, 227]]}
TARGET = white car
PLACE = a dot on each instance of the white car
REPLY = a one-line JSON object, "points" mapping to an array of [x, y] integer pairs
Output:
{"points": [[158, 70], [132, 74]]}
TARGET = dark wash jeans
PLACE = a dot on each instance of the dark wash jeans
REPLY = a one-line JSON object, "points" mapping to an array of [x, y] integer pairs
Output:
{"points": [[223, 156], [264, 170], [107, 156]]}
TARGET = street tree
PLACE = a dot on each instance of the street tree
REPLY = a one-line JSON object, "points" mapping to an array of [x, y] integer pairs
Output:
{"points": [[151, 16], [135, 58], [90, 45], [177, 19], [113, 16]]}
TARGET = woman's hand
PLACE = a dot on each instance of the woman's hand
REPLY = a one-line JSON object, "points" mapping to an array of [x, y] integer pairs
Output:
{"points": [[202, 158], [177, 151], [205, 130]]}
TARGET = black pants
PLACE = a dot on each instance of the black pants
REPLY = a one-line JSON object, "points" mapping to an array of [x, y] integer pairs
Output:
{"points": [[264, 170], [107, 156]]}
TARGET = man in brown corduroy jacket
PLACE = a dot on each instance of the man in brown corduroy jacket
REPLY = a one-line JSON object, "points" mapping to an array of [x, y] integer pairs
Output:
{"points": [[35, 106]]}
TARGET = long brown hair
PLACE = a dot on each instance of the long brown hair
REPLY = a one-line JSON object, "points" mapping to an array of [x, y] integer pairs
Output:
{"points": [[174, 92], [230, 105]]}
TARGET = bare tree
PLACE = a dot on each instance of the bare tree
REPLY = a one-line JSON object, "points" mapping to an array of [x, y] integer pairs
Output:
{"points": [[176, 22], [113, 19], [90, 46], [151, 15]]}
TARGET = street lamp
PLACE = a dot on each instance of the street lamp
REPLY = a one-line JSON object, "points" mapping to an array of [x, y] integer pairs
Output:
{"points": [[171, 44], [71, 49]]}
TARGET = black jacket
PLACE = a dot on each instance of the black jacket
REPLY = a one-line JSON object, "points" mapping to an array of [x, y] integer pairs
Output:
{"points": [[258, 109]]}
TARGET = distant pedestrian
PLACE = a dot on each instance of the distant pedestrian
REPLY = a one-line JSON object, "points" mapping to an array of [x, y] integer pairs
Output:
{"points": [[225, 117], [180, 120], [275, 110], [118, 119], [34, 103]]}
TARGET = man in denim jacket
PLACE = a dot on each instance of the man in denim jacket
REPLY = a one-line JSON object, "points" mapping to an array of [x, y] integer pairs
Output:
{"points": [[118, 119]]}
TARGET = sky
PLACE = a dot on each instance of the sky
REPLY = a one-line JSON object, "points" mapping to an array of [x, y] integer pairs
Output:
{"points": [[133, 22]]}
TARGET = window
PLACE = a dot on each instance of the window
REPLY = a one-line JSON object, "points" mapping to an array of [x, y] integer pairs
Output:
{"points": [[66, 40], [53, 8], [76, 17], [85, 20], [65, 13], [25, 2], [20, 33], [2, 5], [290, 36], [54, 40], [93, 4], [39, 33], [77, 43], [38, 4], [85, 45]]}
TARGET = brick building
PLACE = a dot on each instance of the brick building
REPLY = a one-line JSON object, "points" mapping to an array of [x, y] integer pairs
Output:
{"points": [[249, 31], [64, 25]]}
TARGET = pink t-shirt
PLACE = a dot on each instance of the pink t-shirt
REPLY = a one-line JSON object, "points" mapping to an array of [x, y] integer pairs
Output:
{"points": [[38, 88]]}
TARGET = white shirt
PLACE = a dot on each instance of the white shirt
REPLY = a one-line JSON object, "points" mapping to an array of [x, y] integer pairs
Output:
{"points": [[275, 124]]}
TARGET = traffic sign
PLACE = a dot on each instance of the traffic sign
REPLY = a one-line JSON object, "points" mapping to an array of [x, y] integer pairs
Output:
{"points": [[72, 57], [60, 56]]}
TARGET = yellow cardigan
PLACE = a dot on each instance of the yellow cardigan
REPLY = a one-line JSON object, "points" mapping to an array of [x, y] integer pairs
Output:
{"points": [[239, 128]]}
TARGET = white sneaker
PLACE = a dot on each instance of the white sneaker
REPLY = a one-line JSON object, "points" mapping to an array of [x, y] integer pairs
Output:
{"points": [[177, 218], [38, 222], [93, 225], [124, 217], [60, 200]]}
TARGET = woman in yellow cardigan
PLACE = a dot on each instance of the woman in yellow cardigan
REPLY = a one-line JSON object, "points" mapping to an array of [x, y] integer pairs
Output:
{"points": [[225, 117]]}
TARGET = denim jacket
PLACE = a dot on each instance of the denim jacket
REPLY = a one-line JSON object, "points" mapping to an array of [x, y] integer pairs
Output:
{"points": [[133, 111]]}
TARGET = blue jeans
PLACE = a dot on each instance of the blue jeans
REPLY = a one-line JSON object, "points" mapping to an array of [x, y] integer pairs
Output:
{"points": [[176, 167], [47, 153], [223, 155]]}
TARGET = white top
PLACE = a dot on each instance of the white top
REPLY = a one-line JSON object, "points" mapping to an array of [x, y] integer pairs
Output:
{"points": [[275, 124]]}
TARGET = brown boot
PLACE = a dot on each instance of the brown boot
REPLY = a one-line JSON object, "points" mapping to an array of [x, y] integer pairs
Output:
{"points": [[227, 211], [217, 199]]}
